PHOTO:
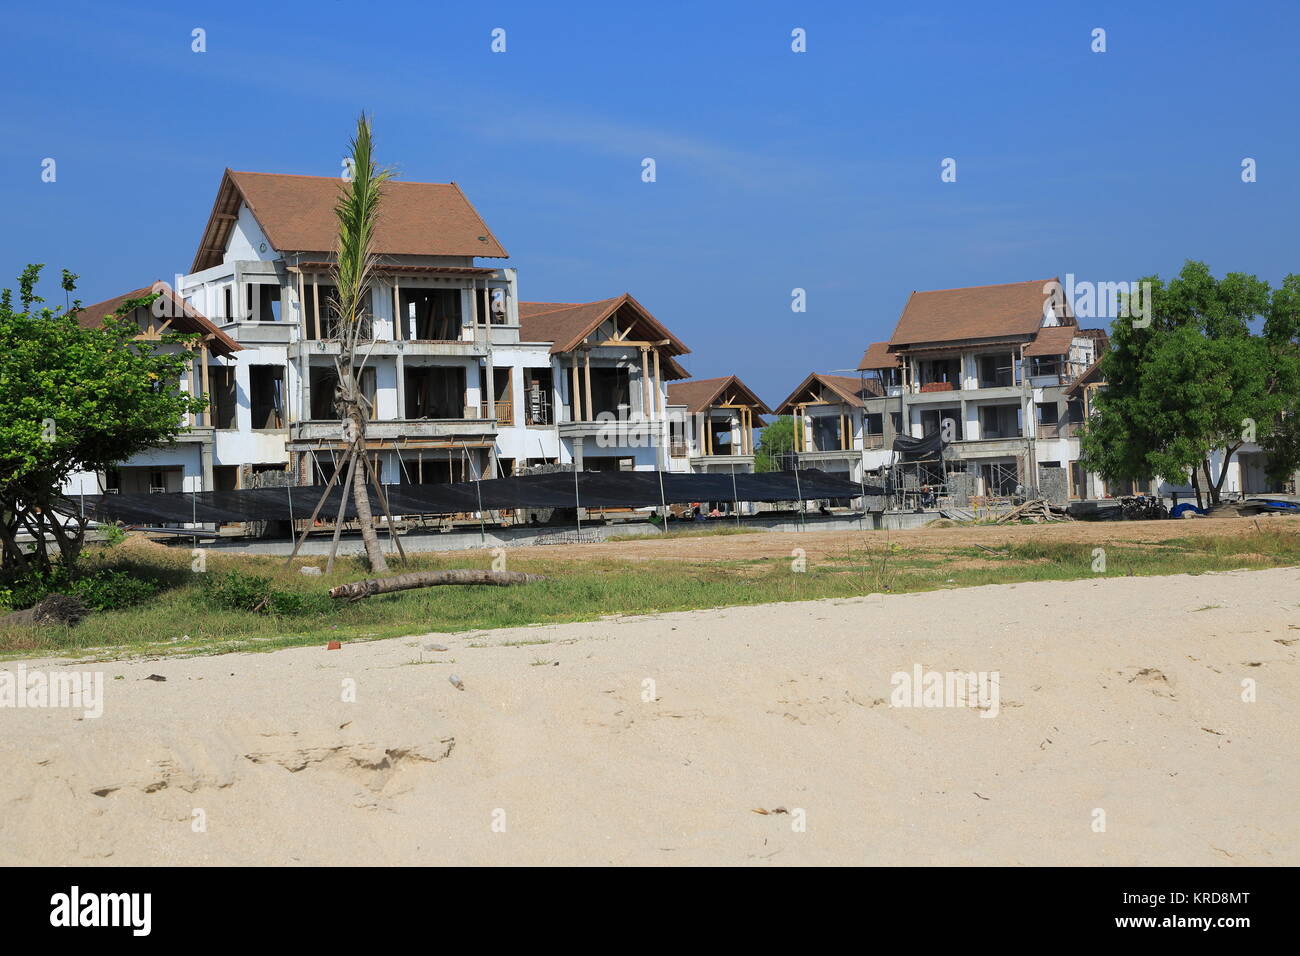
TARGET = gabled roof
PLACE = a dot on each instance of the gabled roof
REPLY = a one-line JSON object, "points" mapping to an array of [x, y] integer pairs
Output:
{"points": [[184, 317], [978, 312], [701, 393], [296, 213], [1052, 340], [848, 389], [878, 356], [566, 324]]}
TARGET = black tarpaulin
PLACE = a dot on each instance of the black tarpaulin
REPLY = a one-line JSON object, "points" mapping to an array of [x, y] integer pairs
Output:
{"points": [[594, 489], [918, 449]]}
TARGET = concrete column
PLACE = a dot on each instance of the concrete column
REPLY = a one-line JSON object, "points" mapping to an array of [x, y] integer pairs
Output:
{"points": [[575, 398], [205, 463], [401, 386], [304, 385]]}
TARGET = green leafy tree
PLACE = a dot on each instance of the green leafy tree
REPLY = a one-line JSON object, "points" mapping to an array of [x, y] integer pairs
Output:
{"points": [[73, 399], [1282, 332], [1196, 380], [776, 439]]}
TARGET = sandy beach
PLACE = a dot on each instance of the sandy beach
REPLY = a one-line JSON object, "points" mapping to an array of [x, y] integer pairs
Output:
{"points": [[654, 740]]}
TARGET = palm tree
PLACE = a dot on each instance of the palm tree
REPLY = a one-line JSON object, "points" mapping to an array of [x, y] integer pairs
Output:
{"points": [[356, 211], [353, 273]]}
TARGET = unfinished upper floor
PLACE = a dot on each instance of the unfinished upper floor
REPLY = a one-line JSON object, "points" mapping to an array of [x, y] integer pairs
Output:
{"points": [[264, 268], [993, 340]]}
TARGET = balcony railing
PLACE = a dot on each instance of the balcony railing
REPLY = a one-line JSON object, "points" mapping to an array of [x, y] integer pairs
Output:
{"points": [[873, 441], [1058, 430], [677, 449], [503, 413]]}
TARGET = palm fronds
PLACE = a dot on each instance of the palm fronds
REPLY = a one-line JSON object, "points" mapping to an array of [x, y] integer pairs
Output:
{"points": [[357, 211]]}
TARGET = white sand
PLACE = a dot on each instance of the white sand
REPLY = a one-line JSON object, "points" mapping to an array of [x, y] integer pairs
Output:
{"points": [[1119, 695]]}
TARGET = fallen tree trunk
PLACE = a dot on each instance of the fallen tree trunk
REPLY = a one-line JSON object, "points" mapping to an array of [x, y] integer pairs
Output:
{"points": [[429, 579]]}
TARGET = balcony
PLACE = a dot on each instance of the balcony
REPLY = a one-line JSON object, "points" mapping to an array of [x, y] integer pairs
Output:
{"points": [[1048, 431], [390, 347], [870, 442], [503, 412], [678, 449], [329, 432]]}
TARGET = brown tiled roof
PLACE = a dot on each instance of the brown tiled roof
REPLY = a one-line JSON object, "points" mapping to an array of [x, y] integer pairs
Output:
{"points": [[979, 312], [848, 388], [390, 269], [535, 308], [566, 324], [877, 356], [701, 393], [297, 215], [187, 318], [1052, 340]]}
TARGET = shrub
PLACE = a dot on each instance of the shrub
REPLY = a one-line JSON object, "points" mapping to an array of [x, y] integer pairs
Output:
{"points": [[100, 590], [107, 590], [240, 591]]}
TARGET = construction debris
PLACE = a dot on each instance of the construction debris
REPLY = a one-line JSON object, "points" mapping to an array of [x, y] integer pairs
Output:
{"points": [[1036, 510]]}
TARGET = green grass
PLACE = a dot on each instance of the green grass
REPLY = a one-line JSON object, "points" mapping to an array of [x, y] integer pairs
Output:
{"points": [[183, 618]]}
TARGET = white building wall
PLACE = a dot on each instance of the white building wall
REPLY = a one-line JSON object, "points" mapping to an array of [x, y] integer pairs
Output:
{"points": [[247, 241]]}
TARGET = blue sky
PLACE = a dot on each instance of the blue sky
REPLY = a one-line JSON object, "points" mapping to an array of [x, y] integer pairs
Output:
{"points": [[776, 170]]}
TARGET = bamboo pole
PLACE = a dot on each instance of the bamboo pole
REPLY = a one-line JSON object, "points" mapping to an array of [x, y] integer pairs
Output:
{"points": [[315, 513], [383, 503], [343, 507]]}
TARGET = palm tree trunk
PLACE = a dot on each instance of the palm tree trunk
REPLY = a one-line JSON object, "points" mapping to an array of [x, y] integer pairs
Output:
{"points": [[369, 537], [357, 590]]}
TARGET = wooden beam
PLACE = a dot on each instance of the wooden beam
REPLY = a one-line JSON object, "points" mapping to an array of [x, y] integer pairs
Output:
{"points": [[591, 416], [646, 409], [207, 415], [642, 343], [575, 396], [660, 400]]}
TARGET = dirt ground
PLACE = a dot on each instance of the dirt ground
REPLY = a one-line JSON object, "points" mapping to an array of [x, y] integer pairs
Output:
{"points": [[770, 544]]}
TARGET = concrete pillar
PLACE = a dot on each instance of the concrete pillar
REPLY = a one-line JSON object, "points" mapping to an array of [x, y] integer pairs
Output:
{"points": [[401, 386], [304, 384]]}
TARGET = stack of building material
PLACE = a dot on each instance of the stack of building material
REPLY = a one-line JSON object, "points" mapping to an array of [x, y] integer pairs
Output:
{"points": [[1035, 510]]}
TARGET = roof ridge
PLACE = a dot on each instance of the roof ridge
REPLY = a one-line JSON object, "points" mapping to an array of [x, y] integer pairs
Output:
{"points": [[713, 378], [402, 182], [991, 285]]}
